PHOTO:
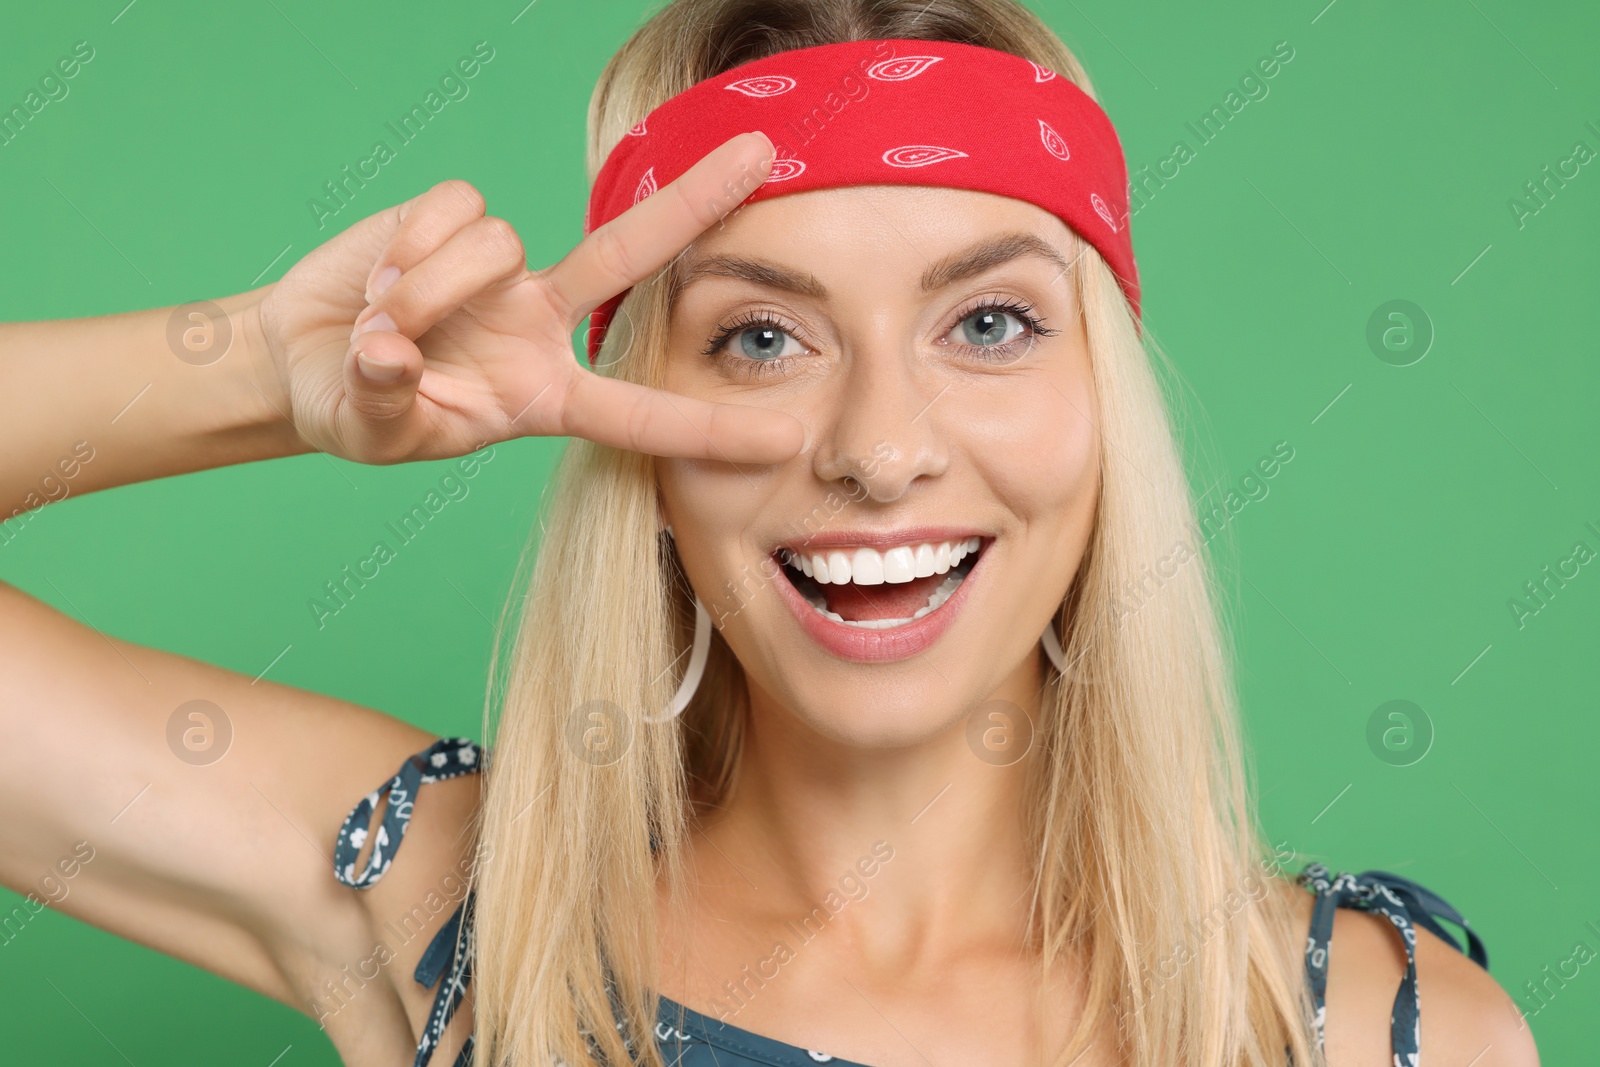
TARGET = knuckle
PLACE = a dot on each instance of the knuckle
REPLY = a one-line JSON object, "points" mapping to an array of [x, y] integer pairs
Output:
{"points": [[409, 300], [638, 431], [376, 410], [612, 253], [463, 192], [502, 239], [380, 415]]}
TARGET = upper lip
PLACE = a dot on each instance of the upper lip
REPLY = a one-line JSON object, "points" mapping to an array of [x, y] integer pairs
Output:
{"points": [[881, 539]]}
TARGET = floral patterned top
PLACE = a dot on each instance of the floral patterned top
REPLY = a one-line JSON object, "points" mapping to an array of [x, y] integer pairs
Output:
{"points": [[688, 1038]]}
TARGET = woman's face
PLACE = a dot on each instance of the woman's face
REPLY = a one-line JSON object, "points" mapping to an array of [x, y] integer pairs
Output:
{"points": [[932, 343]]}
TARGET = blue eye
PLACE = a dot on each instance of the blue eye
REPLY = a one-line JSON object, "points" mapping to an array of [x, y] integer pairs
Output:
{"points": [[767, 342], [754, 343], [991, 326]]}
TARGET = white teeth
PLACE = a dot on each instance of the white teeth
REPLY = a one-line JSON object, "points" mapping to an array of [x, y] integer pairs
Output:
{"points": [[868, 566], [838, 568], [899, 565]]}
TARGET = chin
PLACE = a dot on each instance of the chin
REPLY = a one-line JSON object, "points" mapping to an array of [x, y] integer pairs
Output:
{"points": [[885, 713]]}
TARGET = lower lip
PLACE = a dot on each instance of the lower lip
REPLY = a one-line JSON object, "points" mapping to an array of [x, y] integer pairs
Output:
{"points": [[877, 646]]}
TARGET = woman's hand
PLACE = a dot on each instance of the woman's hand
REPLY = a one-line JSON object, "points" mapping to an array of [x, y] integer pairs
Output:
{"points": [[420, 333]]}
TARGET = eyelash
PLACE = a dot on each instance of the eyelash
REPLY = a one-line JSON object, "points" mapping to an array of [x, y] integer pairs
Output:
{"points": [[750, 320]]}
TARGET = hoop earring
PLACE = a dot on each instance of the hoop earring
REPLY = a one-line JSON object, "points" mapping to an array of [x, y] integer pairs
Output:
{"points": [[1053, 650], [699, 652]]}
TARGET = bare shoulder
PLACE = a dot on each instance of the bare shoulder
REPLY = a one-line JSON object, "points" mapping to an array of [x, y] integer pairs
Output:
{"points": [[1467, 1018]]}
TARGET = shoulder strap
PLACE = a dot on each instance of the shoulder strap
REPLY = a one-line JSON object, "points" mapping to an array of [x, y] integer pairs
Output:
{"points": [[1406, 905], [1427, 908], [446, 758], [449, 955]]}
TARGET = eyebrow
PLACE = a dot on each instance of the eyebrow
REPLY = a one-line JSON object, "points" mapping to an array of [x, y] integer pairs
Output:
{"points": [[958, 266], [986, 255]]}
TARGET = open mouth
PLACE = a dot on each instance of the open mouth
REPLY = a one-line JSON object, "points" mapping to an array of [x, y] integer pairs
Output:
{"points": [[872, 589]]}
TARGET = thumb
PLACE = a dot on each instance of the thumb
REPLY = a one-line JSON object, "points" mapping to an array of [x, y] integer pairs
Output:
{"points": [[381, 373]]}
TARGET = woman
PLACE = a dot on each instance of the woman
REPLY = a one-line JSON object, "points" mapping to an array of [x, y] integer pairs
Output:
{"points": [[823, 689]]}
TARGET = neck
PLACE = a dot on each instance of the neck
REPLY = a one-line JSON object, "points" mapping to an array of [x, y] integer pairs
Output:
{"points": [[938, 824]]}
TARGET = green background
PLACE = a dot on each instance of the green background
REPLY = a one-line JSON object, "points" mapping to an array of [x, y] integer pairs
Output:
{"points": [[1379, 567]]}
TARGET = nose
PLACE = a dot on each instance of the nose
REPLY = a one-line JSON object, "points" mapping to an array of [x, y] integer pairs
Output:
{"points": [[883, 434]]}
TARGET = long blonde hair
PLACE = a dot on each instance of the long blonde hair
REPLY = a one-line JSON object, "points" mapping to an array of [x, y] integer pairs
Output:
{"points": [[1148, 860]]}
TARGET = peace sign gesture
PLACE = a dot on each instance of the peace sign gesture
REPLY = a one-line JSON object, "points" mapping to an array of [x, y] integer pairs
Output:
{"points": [[457, 343]]}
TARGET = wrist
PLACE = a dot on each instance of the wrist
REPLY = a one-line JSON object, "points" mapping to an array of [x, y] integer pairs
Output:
{"points": [[260, 385], [239, 403]]}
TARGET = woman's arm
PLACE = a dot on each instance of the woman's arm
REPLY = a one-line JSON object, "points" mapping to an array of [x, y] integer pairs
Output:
{"points": [[106, 812], [202, 830], [94, 403], [418, 333]]}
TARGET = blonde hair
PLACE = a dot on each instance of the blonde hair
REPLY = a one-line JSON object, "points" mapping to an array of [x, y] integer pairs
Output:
{"points": [[1138, 810]]}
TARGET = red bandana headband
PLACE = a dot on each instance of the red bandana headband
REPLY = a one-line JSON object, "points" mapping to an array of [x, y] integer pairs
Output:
{"points": [[893, 112]]}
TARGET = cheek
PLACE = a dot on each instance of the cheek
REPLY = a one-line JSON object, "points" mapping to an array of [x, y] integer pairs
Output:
{"points": [[705, 500], [713, 509], [1036, 444]]}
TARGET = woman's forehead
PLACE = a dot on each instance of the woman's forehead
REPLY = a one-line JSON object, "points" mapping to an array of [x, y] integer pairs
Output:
{"points": [[916, 233]]}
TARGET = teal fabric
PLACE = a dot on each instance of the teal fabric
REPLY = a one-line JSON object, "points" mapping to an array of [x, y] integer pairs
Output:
{"points": [[688, 1038]]}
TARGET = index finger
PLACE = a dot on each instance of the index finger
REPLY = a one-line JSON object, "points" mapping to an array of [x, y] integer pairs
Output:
{"points": [[629, 248], [623, 414]]}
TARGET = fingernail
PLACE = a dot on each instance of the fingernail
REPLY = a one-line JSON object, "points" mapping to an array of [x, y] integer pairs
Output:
{"points": [[380, 321], [381, 282], [377, 370]]}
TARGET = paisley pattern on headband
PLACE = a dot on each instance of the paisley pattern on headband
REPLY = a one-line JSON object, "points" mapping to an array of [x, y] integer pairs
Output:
{"points": [[784, 169], [646, 186], [767, 85], [895, 112], [901, 68], [1053, 142], [688, 1038], [920, 155], [1103, 211]]}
